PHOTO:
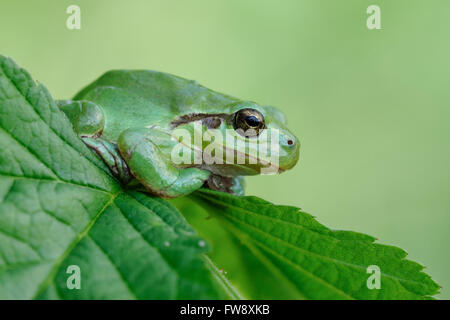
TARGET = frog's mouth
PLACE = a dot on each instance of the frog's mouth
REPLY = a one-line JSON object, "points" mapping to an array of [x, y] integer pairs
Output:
{"points": [[251, 164]]}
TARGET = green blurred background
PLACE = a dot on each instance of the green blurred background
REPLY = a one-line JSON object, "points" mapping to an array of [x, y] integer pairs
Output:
{"points": [[371, 107]]}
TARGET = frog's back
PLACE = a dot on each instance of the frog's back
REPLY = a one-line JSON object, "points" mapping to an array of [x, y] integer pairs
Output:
{"points": [[140, 98]]}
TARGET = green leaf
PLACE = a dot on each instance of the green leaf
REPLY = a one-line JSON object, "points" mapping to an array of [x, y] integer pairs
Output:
{"points": [[287, 251], [60, 207]]}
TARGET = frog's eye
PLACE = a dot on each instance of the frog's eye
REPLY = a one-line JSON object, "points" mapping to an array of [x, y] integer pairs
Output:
{"points": [[248, 122]]}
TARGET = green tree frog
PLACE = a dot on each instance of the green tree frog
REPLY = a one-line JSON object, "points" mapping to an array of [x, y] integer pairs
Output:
{"points": [[129, 119]]}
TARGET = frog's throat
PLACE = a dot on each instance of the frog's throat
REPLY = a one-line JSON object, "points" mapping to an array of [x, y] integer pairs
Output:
{"points": [[191, 117]]}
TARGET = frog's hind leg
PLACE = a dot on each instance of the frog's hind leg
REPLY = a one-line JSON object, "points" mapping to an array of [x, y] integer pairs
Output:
{"points": [[147, 152], [88, 121], [86, 117], [110, 155]]}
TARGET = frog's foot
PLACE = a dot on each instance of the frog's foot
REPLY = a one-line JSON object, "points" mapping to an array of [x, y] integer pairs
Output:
{"points": [[147, 153], [226, 184], [110, 155]]}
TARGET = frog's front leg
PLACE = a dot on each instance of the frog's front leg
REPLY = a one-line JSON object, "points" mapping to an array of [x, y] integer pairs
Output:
{"points": [[147, 154], [234, 185]]}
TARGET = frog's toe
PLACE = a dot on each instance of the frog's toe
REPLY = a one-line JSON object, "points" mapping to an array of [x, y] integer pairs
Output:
{"points": [[230, 185]]}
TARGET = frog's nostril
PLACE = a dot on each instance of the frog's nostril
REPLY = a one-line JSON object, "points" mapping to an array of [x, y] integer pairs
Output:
{"points": [[290, 142]]}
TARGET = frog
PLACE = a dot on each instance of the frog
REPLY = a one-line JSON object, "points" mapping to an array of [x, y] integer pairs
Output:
{"points": [[129, 118]]}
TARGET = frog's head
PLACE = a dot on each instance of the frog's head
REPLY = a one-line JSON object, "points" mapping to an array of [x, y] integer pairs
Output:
{"points": [[257, 139], [264, 127]]}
